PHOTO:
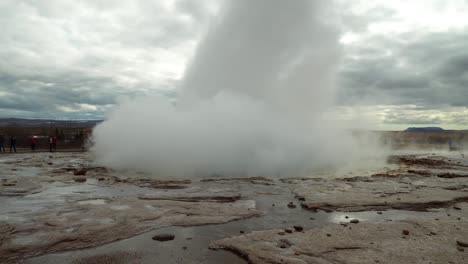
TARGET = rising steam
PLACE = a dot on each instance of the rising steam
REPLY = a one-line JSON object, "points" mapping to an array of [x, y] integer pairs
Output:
{"points": [[250, 103]]}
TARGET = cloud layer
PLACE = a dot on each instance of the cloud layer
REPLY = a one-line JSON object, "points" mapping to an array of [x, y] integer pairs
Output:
{"points": [[77, 59]]}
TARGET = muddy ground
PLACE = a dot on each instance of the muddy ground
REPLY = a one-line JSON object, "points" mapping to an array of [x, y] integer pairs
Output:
{"points": [[63, 208]]}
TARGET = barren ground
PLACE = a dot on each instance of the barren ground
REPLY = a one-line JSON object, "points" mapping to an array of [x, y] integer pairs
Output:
{"points": [[62, 208]]}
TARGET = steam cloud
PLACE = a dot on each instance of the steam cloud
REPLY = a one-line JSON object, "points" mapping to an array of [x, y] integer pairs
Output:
{"points": [[250, 103]]}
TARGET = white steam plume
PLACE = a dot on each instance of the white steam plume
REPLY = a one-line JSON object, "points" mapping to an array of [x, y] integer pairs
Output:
{"points": [[250, 103]]}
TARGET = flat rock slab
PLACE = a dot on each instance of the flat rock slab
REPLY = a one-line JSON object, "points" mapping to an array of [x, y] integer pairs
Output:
{"points": [[92, 223], [426, 242], [416, 193]]}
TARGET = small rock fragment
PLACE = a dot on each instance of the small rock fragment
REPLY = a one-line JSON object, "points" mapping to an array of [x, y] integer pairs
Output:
{"points": [[298, 228], [405, 232], [80, 172], [462, 243], [456, 208], [291, 205], [354, 221], [164, 237], [80, 179], [288, 230]]}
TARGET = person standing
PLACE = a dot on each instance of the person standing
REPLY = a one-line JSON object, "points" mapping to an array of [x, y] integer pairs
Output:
{"points": [[50, 143], [2, 143], [54, 143], [33, 143], [13, 144]]}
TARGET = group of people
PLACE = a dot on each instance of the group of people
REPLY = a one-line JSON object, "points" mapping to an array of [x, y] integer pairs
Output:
{"points": [[4, 140], [12, 140], [52, 143]]}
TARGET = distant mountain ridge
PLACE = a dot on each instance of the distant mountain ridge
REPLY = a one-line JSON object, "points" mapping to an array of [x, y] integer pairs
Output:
{"points": [[23, 122], [424, 129]]}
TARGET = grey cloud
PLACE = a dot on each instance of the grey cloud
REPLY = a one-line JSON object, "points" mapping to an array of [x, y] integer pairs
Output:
{"points": [[68, 53], [429, 70]]}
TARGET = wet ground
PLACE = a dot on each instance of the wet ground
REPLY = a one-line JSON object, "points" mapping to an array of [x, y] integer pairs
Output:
{"points": [[63, 208]]}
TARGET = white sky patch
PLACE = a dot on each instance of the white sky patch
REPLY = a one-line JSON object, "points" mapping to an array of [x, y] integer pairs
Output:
{"points": [[399, 117]]}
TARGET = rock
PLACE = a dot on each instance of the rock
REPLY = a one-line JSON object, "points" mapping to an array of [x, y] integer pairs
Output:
{"points": [[288, 230], [301, 198], [101, 179], [281, 233], [456, 208], [405, 232], [284, 243], [462, 243], [298, 228], [366, 243], [354, 221], [80, 179], [291, 205], [80, 172], [379, 213], [242, 232], [50, 163], [164, 237]]}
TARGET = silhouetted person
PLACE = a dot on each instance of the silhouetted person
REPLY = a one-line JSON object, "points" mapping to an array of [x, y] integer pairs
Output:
{"points": [[2, 143], [13, 144], [33, 143], [50, 144], [54, 143]]}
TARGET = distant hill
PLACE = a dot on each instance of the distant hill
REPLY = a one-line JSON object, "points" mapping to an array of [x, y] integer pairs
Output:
{"points": [[20, 122], [424, 129]]}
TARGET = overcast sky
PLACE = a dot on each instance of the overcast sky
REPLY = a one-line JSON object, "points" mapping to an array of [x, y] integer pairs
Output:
{"points": [[405, 63]]}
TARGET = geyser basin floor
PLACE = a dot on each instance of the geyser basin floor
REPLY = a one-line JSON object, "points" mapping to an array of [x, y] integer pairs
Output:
{"points": [[54, 216]]}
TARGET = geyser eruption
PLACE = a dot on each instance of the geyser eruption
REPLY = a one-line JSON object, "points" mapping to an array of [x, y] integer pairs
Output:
{"points": [[250, 103]]}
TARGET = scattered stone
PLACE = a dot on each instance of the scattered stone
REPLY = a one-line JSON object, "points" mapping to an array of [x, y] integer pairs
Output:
{"points": [[298, 228], [284, 243], [80, 179], [379, 213], [462, 243], [456, 208], [405, 232], [288, 230], [291, 205], [281, 233], [184, 248], [242, 232], [164, 237], [80, 172], [101, 179], [354, 221], [301, 198], [50, 163], [328, 235]]}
